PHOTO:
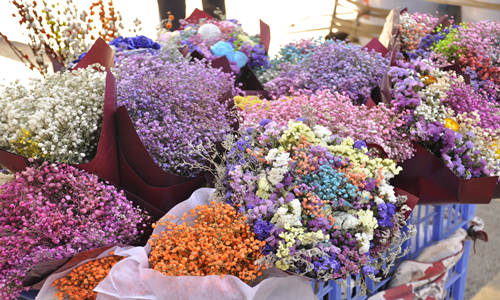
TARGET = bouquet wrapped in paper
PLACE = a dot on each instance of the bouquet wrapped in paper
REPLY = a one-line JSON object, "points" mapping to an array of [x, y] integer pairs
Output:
{"points": [[459, 125], [212, 38], [168, 106], [323, 204], [67, 117]]}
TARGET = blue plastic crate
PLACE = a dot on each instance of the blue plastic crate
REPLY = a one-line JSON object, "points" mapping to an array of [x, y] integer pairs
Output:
{"points": [[433, 223]]}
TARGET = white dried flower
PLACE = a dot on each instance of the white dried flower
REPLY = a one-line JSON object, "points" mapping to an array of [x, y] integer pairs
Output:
{"points": [[57, 118]]}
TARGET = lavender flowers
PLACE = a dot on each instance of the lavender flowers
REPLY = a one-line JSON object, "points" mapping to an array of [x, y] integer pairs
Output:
{"points": [[336, 66], [175, 106]]}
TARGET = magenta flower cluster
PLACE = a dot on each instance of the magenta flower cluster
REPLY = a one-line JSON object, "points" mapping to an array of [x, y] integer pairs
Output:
{"points": [[53, 211], [378, 125], [462, 98], [335, 66], [175, 106]]}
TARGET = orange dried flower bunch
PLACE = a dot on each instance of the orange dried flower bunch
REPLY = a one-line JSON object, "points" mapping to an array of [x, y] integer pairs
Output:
{"points": [[168, 22], [217, 242], [81, 281], [109, 20]]}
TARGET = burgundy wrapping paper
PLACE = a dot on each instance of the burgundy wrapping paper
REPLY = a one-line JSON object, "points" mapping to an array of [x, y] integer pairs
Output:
{"points": [[137, 156], [197, 15], [375, 44], [153, 189], [100, 53], [249, 81], [105, 162], [428, 178], [223, 63], [265, 35]]}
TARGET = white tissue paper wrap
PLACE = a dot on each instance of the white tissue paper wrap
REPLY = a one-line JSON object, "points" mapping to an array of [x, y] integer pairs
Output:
{"points": [[48, 292], [131, 278]]}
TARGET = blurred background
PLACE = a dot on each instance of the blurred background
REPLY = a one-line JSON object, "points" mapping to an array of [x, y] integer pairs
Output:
{"points": [[291, 20]]}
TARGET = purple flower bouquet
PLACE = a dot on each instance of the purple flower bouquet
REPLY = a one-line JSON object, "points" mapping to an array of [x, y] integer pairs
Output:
{"points": [[337, 66], [168, 108]]}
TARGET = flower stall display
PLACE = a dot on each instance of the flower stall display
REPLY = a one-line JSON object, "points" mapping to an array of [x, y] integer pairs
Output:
{"points": [[323, 205], [380, 124], [175, 106], [57, 118], [53, 211], [202, 249], [337, 66], [213, 38]]}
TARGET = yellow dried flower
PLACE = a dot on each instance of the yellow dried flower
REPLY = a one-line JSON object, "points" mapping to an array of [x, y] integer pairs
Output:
{"points": [[451, 124]]}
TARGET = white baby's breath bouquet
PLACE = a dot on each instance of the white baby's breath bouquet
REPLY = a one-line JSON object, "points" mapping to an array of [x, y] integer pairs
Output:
{"points": [[57, 118]]}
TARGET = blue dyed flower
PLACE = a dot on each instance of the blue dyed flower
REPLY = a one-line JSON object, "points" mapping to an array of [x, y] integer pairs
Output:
{"points": [[368, 270], [385, 213], [359, 144], [240, 59], [262, 229], [222, 48], [137, 42], [79, 58], [264, 122]]}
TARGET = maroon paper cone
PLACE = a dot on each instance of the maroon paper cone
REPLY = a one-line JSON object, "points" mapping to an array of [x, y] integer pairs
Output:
{"points": [[265, 35], [223, 63], [137, 157], [249, 81], [105, 163], [375, 45], [13, 162], [100, 53], [428, 178], [197, 15], [156, 200]]}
